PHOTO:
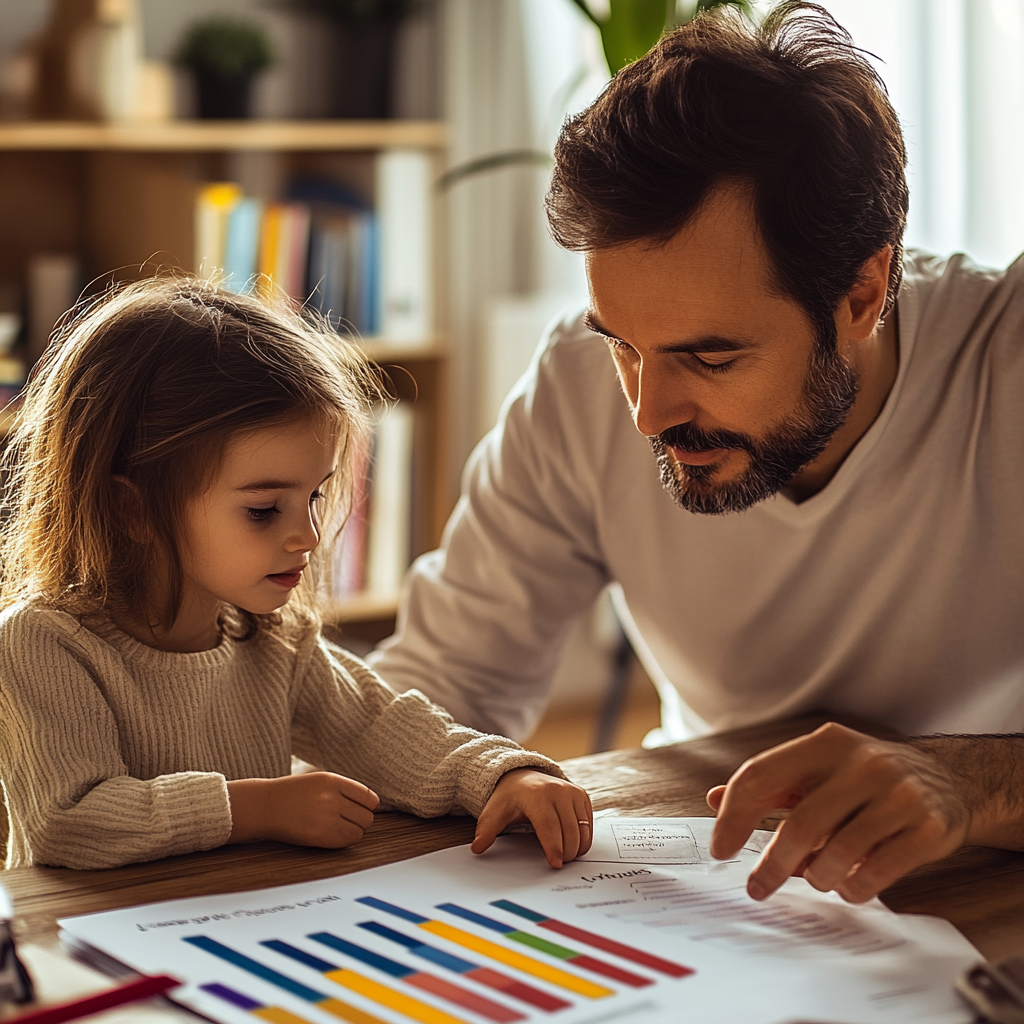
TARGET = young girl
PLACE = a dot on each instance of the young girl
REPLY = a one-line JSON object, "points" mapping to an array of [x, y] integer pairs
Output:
{"points": [[160, 663]]}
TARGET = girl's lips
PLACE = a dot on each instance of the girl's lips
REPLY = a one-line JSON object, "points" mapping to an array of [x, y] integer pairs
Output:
{"points": [[697, 458], [286, 579]]}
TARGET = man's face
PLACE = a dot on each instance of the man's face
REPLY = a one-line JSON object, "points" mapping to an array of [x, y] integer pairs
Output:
{"points": [[727, 377]]}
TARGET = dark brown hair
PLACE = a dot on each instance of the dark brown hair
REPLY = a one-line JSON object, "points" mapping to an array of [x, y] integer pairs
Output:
{"points": [[790, 107], [147, 385]]}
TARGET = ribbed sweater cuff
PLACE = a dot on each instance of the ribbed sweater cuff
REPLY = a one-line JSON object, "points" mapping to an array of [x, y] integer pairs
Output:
{"points": [[194, 809], [482, 774]]}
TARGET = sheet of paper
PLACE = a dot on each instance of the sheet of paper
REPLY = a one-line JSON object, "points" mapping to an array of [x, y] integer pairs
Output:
{"points": [[455, 939], [659, 840]]}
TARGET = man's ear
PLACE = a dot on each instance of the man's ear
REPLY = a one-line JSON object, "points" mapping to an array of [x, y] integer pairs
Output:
{"points": [[131, 509], [861, 309]]}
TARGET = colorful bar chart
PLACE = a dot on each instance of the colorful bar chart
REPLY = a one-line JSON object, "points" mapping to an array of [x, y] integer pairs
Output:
{"points": [[335, 1007], [493, 951], [481, 975], [570, 931], [410, 975], [273, 1014], [572, 956]]}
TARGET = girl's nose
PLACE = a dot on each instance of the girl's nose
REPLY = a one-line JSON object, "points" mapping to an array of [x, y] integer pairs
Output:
{"points": [[306, 535]]}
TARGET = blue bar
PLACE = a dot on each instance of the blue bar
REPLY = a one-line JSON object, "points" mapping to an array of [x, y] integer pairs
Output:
{"points": [[514, 908], [390, 908], [254, 967], [229, 995], [364, 955], [300, 955], [469, 915], [421, 949]]}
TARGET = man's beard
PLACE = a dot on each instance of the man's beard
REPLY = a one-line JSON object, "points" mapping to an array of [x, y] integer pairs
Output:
{"points": [[829, 392]]}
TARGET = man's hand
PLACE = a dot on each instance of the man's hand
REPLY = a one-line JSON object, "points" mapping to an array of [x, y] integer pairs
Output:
{"points": [[866, 811], [315, 809], [560, 813]]}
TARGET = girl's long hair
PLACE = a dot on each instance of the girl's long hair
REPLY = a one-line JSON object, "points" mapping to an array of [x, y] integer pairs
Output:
{"points": [[125, 420]]}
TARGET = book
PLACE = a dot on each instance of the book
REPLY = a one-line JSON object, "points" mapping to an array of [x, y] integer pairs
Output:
{"points": [[403, 199], [214, 204], [241, 247], [284, 249], [389, 545], [54, 279], [374, 548]]}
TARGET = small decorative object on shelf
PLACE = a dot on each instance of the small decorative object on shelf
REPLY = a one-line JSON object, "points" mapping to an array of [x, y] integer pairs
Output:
{"points": [[365, 32], [225, 54]]}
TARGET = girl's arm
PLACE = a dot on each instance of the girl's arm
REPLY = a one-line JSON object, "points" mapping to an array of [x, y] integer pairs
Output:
{"points": [[70, 799], [416, 759]]}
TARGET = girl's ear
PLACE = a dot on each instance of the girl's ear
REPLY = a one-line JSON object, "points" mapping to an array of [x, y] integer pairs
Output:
{"points": [[131, 511]]}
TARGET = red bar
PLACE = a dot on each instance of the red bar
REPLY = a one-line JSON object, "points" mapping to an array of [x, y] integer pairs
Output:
{"points": [[144, 988], [517, 989], [463, 997], [588, 963], [638, 956]]}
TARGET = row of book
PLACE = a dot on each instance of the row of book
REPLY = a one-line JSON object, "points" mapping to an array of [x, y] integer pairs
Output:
{"points": [[367, 267], [376, 543]]}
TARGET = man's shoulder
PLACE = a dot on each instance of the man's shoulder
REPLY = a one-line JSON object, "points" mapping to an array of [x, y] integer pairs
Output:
{"points": [[574, 362], [949, 291]]}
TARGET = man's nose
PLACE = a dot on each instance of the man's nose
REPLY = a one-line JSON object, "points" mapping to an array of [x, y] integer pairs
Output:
{"points": [[661, 400]]}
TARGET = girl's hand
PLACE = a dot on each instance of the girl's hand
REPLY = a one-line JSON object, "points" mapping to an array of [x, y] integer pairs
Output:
{"points": [[560, 814], [315, 809]]}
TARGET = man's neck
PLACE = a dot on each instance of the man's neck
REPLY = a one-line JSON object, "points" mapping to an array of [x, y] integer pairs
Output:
{"points": [[877, 364]]}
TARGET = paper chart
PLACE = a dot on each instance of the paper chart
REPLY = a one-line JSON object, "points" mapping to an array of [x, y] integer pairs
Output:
{"points": [[450, 938]]}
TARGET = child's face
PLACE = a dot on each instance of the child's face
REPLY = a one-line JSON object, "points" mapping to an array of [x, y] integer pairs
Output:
{"points": [[249, 537]]}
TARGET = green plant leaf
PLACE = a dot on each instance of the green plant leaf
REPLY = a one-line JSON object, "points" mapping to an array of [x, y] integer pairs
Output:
{"points": [[233, 47], [510, 158], [631, 29], [582, 5]]}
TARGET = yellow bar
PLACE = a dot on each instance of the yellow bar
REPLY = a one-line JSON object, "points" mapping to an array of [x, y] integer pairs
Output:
{"points": [[349, 1013], [388, 997], [278, 1015], [526, 964]]}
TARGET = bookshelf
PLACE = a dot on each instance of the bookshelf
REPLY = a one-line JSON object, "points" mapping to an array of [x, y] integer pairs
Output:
{"points": [[122, 197]]}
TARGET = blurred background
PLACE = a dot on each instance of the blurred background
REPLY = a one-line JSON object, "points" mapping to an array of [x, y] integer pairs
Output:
{"points": [[385, 160]]}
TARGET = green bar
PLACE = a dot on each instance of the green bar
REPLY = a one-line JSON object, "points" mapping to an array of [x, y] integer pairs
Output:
{"points": [[542, 944]]}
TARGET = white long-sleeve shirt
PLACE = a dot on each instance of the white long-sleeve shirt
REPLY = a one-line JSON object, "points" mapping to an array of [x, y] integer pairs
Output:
{"points": [[895, 593]]}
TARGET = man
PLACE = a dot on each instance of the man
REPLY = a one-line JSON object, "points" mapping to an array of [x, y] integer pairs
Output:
{"points": [[839, 519]]}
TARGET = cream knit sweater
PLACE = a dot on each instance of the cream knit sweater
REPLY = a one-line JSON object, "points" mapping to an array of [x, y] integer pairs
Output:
{"points": [[113, 752]]}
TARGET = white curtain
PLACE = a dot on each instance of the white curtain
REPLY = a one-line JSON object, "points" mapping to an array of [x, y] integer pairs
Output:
{"points": [[512, 69], [955, 72]]}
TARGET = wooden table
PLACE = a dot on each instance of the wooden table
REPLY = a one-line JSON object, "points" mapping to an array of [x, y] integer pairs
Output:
{"points": [[979, 891]]}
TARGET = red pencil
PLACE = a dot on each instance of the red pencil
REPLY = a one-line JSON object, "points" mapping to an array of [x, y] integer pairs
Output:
{"points": [[130, 993]]}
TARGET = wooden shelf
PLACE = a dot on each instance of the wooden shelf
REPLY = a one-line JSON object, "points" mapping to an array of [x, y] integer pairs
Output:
{"points": [[383, 351], [219, 136], [360, 608]]}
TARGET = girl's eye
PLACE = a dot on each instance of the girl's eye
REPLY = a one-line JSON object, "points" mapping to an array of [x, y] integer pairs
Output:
{"points": [[262, 515], [714, 367]]}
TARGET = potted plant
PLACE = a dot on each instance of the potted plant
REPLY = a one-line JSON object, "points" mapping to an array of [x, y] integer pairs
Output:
{"points": [[365, 32], [628, 28], [225, 54]]}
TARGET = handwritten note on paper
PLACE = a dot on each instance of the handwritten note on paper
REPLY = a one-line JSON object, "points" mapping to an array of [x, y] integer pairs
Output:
{"points": [[660, 841]]}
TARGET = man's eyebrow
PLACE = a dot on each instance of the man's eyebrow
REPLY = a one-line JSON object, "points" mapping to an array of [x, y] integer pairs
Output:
{"points": [[709, 343], [277, 485]]}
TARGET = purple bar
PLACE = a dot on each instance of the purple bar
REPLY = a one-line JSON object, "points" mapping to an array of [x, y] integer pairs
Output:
{"points": [[229, 995]]}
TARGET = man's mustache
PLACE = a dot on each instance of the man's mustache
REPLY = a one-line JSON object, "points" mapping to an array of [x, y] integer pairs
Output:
{"points": [[693, 439]]}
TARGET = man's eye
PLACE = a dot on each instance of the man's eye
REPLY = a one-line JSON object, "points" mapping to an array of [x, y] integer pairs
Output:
{"points": [[714, 367], [619, 346], [262, 515]]}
